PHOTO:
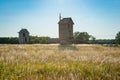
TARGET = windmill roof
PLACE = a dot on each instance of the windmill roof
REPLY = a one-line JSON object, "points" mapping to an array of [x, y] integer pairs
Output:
{"points": [[66, 20], [23, 30]]}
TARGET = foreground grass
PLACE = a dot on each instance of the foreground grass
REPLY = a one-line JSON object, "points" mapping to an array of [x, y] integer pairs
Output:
{"points": [[53, 62]]}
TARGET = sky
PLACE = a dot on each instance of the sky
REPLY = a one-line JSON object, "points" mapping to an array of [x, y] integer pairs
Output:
{"points": [[100, 18]]}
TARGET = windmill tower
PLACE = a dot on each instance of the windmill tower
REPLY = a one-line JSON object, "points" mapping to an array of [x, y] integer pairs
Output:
{"points": [[23, 36], [65, 30]]}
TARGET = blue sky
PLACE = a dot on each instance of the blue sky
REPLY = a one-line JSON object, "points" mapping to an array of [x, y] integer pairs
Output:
{"points": [[100, 18]]}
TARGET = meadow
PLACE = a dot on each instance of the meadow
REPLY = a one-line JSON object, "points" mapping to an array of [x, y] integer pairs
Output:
{"points": [[55, 62]]}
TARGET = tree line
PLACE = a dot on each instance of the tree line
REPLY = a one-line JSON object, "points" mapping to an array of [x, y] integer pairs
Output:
{"points": [[79, 38], [36, 39], [32, 40], [9, 40], [84, 37]]}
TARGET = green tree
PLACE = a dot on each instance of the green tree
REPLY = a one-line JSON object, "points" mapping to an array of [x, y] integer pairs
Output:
{"points": [[44, 40], [36, 39], [92, 39], [81, 37], [117, 38], [9, 40]]}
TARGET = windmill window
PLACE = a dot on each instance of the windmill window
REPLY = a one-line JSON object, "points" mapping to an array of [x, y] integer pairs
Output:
{"points": [[23, 34]]}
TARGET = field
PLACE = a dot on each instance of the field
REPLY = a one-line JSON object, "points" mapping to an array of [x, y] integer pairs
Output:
{"points": [[54, 62]]}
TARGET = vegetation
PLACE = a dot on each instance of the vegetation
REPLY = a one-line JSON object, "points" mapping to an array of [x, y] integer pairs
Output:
{"points": [[84, 38], [36, 39], [117, 38], [92, 40], [33, 40], [105, 41], [54, 62], [81, 37], [9, 40]]}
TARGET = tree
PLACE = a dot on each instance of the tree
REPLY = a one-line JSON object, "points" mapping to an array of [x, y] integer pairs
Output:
{"points": [[117, 38], [36, 39], [9, 40], [81, 37], [44, 40], [92, 39]]}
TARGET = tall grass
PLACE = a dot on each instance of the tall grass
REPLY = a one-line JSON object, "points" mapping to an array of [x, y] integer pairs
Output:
{"points": [[54, 62]]}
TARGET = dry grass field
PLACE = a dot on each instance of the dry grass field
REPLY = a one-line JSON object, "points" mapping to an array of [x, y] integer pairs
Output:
{"points": [[54, 62]]}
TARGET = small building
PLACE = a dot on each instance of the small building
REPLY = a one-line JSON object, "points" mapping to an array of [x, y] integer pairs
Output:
{"points": [[23, 36], [66, 31]]}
